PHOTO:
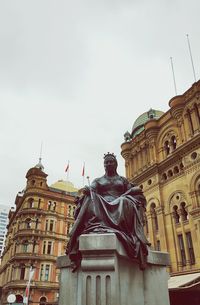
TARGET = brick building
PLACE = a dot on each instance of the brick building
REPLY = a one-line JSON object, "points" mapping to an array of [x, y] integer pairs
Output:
{"points": [[37, 235]]}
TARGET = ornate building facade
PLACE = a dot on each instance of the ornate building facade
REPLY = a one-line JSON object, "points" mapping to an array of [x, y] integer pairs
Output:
{"points": [[37, 235], [162, 156]]}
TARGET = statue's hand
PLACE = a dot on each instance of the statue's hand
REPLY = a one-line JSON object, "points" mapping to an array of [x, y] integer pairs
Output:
{"points": [[86, 190]]}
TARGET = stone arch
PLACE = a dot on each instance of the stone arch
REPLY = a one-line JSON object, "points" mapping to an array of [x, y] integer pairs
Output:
{"points": [[154, 200], [19, 299], [43, 300], [164, 131], [168, 139], [175, 198], [195, 189], [30, 203], [194, 181]]}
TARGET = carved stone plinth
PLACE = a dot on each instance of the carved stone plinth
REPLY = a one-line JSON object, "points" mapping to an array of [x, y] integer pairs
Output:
{"points": [[108, 277]]}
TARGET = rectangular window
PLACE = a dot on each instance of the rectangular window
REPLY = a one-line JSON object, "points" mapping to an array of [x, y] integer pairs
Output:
{"points": [[34, 246], [44, 247], [39, 203], [25, 247], [190, 248], [182, 250], [22, 272], [49, 247], [47, 223], [47, 270], [51, 225], [158, 245], [41, 272]]}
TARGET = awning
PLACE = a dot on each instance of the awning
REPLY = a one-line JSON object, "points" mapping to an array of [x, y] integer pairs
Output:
{"points": [[183, 281]]}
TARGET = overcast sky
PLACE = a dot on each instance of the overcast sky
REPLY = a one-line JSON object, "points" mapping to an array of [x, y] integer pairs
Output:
{"points": [[77, 74]]}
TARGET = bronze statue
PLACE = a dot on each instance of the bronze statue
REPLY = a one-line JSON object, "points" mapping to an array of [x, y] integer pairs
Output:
{"points": [[111, 205]]}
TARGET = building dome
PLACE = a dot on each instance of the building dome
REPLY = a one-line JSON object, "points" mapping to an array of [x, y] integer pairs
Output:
{"points": [[65, 186], [37, 170], [139, 123]]}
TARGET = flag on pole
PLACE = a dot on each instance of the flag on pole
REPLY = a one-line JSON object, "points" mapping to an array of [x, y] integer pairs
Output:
{"points": [[31, 273], [67, 167], [83, 170]]}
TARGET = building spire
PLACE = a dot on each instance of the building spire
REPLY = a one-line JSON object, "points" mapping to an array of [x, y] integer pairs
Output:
{"points": [[40, 157], [39, 165]]}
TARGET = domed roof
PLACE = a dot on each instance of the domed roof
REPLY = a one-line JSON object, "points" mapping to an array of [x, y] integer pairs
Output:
{"points": [[65, 186], [138, 125], [37, 170]]}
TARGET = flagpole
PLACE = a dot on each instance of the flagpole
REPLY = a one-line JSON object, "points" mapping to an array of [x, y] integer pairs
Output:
{"points": [[189, 47], [172, 66], [68, 172], [41, 147], [83, 173], [31, 273]]}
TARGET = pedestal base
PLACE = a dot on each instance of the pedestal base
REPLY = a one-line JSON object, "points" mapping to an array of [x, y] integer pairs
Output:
{"points": [[108, 277]]}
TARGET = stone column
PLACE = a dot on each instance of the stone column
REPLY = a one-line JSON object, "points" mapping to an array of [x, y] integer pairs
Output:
{"points": [[194, 120], [161, 226], [188, 125], [134, 164], [108, 277], [151, 229]]}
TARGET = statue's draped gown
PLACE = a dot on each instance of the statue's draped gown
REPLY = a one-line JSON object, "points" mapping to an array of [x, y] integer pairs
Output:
{"points": [[113, 206]]}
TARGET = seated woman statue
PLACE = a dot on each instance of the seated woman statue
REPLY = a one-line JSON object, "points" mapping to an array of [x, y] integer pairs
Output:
{"points": [[111, 205]]}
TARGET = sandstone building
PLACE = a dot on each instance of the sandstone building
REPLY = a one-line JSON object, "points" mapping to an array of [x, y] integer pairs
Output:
{"points": [[162, 156], [37, 235]]}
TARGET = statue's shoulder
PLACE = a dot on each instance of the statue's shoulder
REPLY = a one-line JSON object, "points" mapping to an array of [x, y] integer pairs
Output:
{"points": [[98, 180], [123, 179]]}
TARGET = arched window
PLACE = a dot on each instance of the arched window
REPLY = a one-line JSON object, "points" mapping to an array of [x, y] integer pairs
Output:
{"points": [[173, 142], [164, 177], [176, 170], [30, 203], [43, 301], [54, 206], [158, 245], [69, 210], [49, 205], [28, 223], [175, 214], [184, 213], [154, 216], [25, 246], [167, 147], [170, 173], [74, 208], [19, 299]]}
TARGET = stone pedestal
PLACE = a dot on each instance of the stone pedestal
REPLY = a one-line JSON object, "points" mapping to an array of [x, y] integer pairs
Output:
{"points": [[108, 277]]}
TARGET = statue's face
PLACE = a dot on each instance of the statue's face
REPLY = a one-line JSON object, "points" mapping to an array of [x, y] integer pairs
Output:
{"points": [[110, 164]]}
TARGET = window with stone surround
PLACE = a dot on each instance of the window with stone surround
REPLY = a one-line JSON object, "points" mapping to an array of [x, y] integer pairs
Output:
{"points": [[182, 250], [190, 248], [45, 272]]}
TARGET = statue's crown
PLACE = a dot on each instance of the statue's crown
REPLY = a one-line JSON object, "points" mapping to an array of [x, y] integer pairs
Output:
{"points": [[109, 155]]}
